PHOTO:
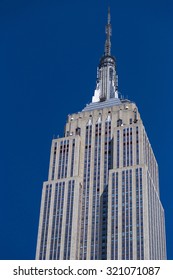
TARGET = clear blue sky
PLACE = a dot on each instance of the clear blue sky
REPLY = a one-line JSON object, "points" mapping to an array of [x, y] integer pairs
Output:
{"points": [[49, 52]]}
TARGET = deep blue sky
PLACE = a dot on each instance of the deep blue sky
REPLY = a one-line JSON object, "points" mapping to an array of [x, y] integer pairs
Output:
{"points": [[49, 52]]}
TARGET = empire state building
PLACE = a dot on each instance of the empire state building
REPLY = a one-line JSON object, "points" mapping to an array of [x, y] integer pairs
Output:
{"points": [[101, 200]]}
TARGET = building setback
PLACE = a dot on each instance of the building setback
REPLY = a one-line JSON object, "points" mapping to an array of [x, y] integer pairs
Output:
{"points": [[101, 200]]}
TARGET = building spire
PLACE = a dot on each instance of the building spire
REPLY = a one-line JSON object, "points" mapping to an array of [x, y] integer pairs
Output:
{"points": [[108, 33], [106, 85]]}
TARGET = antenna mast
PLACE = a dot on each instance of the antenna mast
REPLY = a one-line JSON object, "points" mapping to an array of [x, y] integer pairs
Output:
{"points": [[108, 33]]}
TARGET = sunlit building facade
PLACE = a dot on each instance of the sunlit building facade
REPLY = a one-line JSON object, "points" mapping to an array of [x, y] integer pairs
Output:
{"points": [[101, 200]]}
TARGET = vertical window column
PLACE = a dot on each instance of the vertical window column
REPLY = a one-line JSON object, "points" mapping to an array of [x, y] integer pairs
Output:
{"points": [[96, 195], [127, 222], [114, 218], [123, 216], [45, 222], [131, 146], [107, 151], [130, 218], [69, 216], [86, 188], [63, 159], [118, 149], [72, 158], [57, 221], [139, 215], [54, 161], [107, 167], [137, 145], [124, 147], [128, 144], [127, 147]]}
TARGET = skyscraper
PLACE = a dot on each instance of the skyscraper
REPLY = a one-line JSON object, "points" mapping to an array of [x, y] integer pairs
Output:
{"points": [[101, 200]]}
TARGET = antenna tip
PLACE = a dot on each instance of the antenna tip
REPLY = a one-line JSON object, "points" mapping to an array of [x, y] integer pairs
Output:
{"points": [[109, 14]]}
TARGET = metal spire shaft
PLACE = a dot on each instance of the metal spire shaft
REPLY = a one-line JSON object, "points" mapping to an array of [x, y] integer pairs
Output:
{"points": [[106, 86], [108, 33]]}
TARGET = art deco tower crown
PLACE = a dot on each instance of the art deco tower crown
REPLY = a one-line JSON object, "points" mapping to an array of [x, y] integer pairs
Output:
{"points": [[106, 87]]}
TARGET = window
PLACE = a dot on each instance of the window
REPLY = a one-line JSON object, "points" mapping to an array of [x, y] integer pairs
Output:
{"points": [[119, 122], [78, 130]]}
